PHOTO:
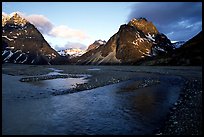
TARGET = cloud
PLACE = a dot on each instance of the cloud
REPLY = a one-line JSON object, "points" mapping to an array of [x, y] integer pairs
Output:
{"points": [[178, 20], [70, 45], [66, 32], [43, 24]]}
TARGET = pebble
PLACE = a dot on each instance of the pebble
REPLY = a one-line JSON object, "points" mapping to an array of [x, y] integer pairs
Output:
{"points": [[175, 122], [174, 108], [186, 113]]}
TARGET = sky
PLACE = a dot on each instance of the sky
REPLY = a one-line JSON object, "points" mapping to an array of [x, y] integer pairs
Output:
{"points": [[79, 24]]}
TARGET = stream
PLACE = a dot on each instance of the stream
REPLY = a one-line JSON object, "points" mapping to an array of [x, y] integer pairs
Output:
{"points": [[120, 108]]}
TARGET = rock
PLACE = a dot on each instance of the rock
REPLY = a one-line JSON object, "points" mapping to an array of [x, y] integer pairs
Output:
{"points": [[175, 122]]}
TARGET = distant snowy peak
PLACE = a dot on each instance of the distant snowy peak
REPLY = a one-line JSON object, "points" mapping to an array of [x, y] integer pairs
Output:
{"points": [[13, 18], [177, 44], [72, 52]]}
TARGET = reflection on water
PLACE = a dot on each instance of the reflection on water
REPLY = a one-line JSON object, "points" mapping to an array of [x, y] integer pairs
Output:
{"points": [[55, 72], [94, 69], [59, 83], [103, 110]]}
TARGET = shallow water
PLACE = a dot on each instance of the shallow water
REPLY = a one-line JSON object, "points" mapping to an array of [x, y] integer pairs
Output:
{"points": [[59, 83], [104, 110], [55, 72], [94, 69]]}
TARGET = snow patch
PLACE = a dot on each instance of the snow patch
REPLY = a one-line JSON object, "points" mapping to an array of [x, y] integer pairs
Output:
{"points": [[17, 51], [19, 57], [10, 54], [10, 48], [73, 52], [150, 37], [24, 60], [135, 43], [32, 61], [158, 48], [7, 38]]}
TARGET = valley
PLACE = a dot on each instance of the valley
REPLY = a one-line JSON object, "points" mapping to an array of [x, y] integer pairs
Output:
{"points": [[131, 68], [106, 98]]}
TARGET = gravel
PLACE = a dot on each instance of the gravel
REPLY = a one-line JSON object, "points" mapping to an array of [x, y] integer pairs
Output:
{"points": [[185, 117]]}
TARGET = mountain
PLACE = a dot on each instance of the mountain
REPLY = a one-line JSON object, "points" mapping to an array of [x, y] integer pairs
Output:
{"points": [[96, 44], [189, 54], [135, 41], [177, 44], [23, 43], [72, 52]]}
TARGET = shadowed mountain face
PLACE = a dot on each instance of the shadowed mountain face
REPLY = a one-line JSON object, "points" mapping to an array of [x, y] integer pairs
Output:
{"points": [[190, 53], [23, 43], [133, 42]]}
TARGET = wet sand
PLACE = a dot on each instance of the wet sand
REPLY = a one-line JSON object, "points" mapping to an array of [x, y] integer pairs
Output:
{"points": [[133, 83]]}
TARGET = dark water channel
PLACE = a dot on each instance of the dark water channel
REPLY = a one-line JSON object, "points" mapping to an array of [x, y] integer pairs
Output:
{"points": [[114, 109]]}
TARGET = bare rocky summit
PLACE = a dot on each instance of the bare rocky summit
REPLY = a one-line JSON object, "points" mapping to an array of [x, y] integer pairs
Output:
{"points": [[23, 43], [133, 42]]}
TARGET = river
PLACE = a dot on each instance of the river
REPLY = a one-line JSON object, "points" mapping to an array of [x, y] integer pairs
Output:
{"points": [[120, 108]]}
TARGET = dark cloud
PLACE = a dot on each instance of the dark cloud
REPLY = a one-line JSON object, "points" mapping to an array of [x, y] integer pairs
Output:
{"points": [[178, 20]]}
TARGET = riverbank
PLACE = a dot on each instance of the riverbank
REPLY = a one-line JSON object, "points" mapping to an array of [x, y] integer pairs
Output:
{"points": [[185, 117]]}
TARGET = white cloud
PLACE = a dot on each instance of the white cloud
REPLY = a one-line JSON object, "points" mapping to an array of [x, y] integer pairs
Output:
{"points": [[60, 44], [41, 22], [59, 37], [45, 26], [66, 32]]}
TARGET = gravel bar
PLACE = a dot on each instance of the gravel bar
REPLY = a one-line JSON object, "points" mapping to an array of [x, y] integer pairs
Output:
{"points": [[185, 117]]}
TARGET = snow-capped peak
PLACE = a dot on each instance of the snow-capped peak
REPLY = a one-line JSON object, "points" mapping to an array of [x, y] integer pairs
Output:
{"points": [[13, 18], [73, 52], [101, 42], [177, 44]]}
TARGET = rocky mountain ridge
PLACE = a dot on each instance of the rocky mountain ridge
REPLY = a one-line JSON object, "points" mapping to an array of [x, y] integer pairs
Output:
{"points": [[133, 42], [23, 43]]}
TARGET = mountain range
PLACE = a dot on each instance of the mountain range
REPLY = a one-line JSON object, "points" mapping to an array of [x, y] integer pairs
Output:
{"points": [[71, 52], [189, 54], [136, 43]]}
